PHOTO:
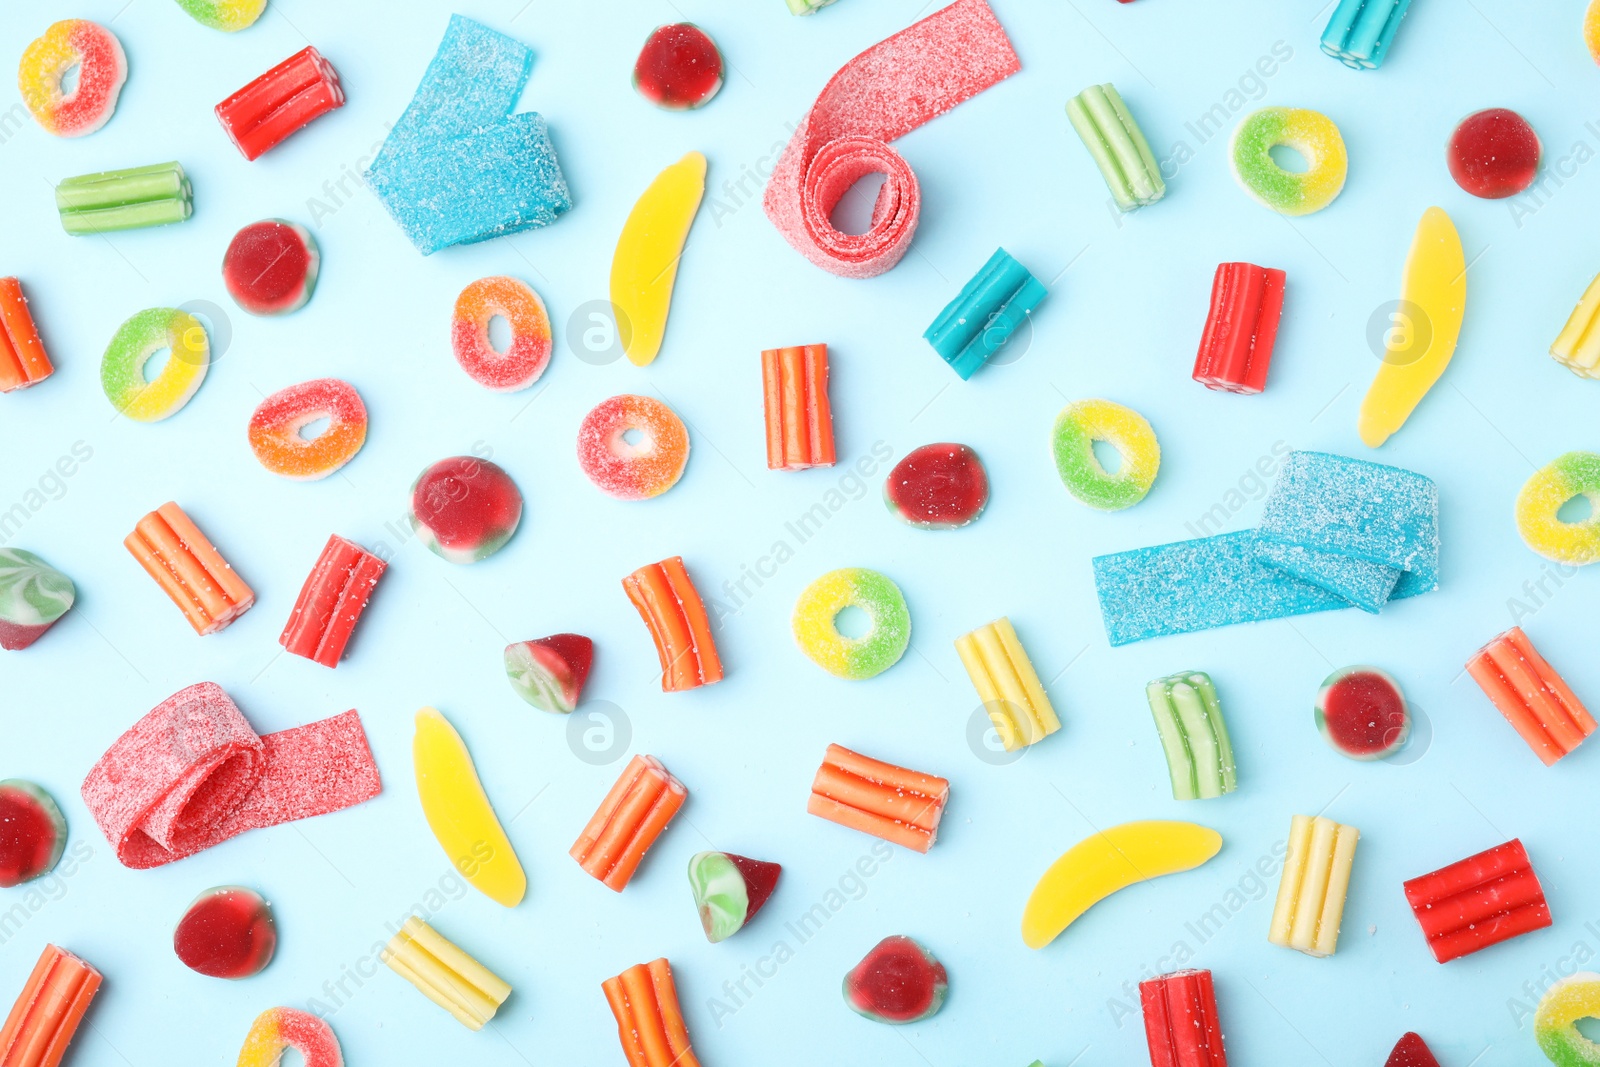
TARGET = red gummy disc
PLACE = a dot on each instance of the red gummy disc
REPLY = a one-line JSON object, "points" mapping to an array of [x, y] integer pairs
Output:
{"points": [[899, 981], [227, 932], [1494, 153], [679, 67], [33, 832], [270, 267], [937, 487], [1362, 713], [465, 508]]}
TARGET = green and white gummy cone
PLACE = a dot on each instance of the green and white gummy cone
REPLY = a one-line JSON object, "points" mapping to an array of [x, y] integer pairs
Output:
{"points": [[729, 890], [33, 596]]}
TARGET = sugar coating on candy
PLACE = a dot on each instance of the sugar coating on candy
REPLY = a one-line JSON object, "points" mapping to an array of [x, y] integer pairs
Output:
{"points": [[331, 602], [1591, 29], [102, 70], [1555, 1023], [899, 981], [458, 166], [1494, 153], [633, 469], [1082, 423], [1411, 1051], [729, 889], [277, 1029], [277, 425], [549, 672], [270, 267], [23, 360], [192, 773], [679, 67], [882, 94], [136, 342], [1362, 713], [33, 833], [937, 487], [817, 633], [1310, 133], [1540, 501], [33, 597], [464, 508], [525, 358], [229, 16], [227, 932]]}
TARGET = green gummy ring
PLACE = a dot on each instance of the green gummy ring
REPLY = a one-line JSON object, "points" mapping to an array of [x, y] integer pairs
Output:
{"points": [[1313, 135], [853, 657], [1078, 427], [136, 341], [1539, 505]]}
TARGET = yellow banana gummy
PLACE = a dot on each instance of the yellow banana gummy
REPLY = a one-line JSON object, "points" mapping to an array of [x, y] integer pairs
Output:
{"points": [[645, 265], [458, 811]]}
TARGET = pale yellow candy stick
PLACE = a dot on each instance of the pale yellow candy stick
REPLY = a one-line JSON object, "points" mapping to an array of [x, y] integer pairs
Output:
{"points": [[1007, 684], [645, 266], [458, 811], [1316, 878], [1578, 344], [444, 974], [1433, 299]]}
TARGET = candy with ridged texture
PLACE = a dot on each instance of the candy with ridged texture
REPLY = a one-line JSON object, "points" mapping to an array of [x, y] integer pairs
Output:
{"points": [[102, 68], [186, 566], [47, 1012], [729, 889], [1241, 329], [1316, 879], [33, 832], [445, 974], [528, 352], [549, 672], [262, 114], [23, 360], [1310, 133], [270, 267], [984, 315], [465, 509], [1546, 493], [1494, 153], [277, 428], [679, 67], [882, 94], [1577, 347], [1362, 714], [131, 199], [331, 602], [1118, 145], [650, 1024], [937, 487], [1359, 32], [1194, 736], [458, 166], [679, 625], [33, 597], [1013, 697], [799, 415], [1181, 1024], [1478, 902], [227, 932], [1532, 696], [278, 1029], [899, 981], [639, 468]]}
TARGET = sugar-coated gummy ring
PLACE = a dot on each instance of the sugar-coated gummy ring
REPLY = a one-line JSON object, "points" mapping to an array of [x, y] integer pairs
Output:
{"points": [[277, 1029], [633, 470], [1310, 133], [852, 657], [270, 267], [229, 16], [276, 425], [135, 342], [1078, 427], [465, 508], [1572, 475], [102, 68], [1555, 1023], [520, 365]]}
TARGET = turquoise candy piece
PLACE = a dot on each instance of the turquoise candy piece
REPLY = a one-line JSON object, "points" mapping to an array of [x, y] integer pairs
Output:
{"points": [[1360, 32], [459, 167], [989, 308]]}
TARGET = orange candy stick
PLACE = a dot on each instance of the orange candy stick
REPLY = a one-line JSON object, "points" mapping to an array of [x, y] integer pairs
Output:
{"points": [[189, 569], [649, 1021], [23, 361], [47, 1013], [628, 822], [1531, 695], [902, 807], [799, 419], [672, 609]]}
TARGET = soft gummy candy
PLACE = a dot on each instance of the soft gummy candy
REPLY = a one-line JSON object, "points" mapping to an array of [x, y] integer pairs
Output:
{"points": [[937, 487], [102, 70], [331, 601], [33, 832], [135, 344], [445, 974], [1316, 877], [277, 428], [549, 672], [48, 1010], [644, 267], [633, 469], [1083, 422], [227, 932], [459, 813], [816, 629], [465, 509], [1479, 901], [131, 199], [1541, 499], [898, 981], [673, 612], [301, 88], [799, 416], [901, 806], [679, 67], [1362, 713], [644, 1000], [277, 1029], [729, 889], [528, 353], [23, 360], [33, 597], [1494, 153], [270, 267], [628, 821], [1310, 133]]}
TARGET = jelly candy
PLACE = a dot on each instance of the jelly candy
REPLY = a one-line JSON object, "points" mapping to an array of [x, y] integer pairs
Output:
{"points": [[1532, 695], [136, 342], [1001, 672], [549, 672], [1555, 1024], [525, 358], [229, 16], [1545, 493], [270, 267], [277, 428], [644, 1000], [102, 70], [644, 268], [679, 67], [23, 361], [48, 1010], [816, 628], [1479, 901], [189, 569], [33, 833], [1494, 153], [633, 470], [937, 487], [1310, 133], [331, 602], [1577, 347], [630, 818], [1083, 422], [672, 610], [227, 932], [1316, 877], [1241, 329], [1360, 32], [729, 890], [444, 974], [984, 315], [902, 807], [131, 199], [301, 88], [465, 509], [1362, 713], [1180, 1020], [1188, 716], [459, 814], [794, 385], [1411, 1051], [277, 1029], [1119, 148], [33, 597], [899, 981]]}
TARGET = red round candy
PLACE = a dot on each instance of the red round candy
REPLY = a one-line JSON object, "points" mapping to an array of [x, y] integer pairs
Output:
{"points": [[1494, 153], [899, 981], [679, 67], [33, 832], [227, 932], [465, 508], [1362, 713], [937, 487], [270, 267]]}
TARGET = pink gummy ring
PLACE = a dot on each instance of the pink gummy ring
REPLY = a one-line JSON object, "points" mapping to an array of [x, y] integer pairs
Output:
{"points": [[277, 1029], [102, 70], [277, 429], [633, 469], [525, 358]]}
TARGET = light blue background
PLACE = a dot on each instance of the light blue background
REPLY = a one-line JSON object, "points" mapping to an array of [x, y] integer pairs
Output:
{"points": [[1128, 298]]}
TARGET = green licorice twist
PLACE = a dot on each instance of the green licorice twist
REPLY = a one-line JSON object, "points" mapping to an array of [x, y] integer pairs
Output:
{"points": [[130, 199], [1189, 720], [1118, 146]]}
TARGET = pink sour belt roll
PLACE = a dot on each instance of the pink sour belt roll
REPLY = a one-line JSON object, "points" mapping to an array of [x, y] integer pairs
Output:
{"points": [[881, 95]]}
